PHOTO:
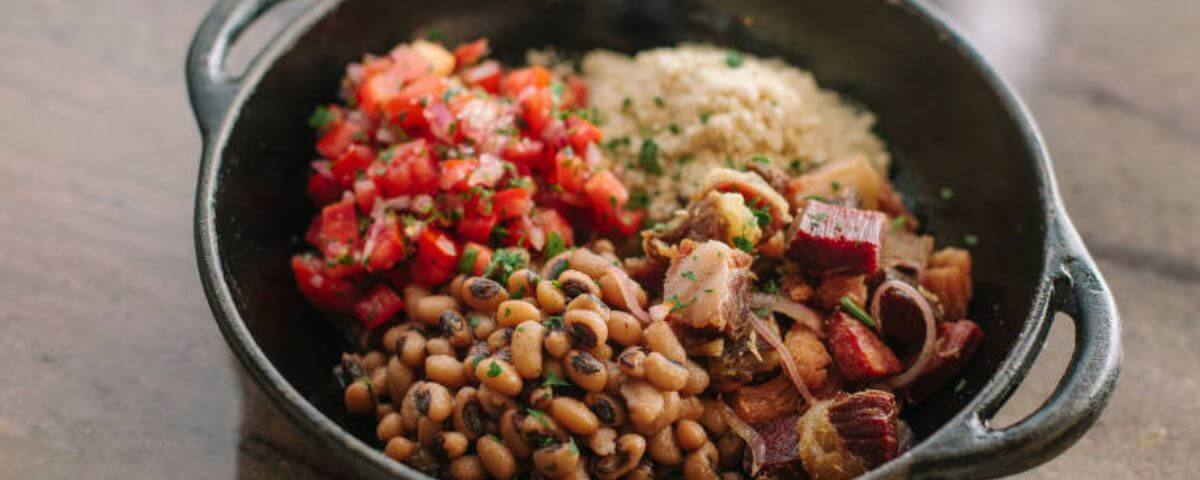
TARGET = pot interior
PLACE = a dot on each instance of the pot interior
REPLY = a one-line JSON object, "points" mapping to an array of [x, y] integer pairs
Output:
{"points": [[945, 125]]}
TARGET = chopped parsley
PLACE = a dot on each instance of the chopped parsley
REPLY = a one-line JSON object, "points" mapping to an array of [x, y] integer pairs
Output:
{"points": [[553, 380], [770, 286], [835, 186], [733, 58], [538, 415], [504, 262], [648, 158], [690, 275], [554, 245], [947, 193], [898, 223], [704, 117], [762, 216], [626, 104], [494, 370], [466, 264], [572, 447], [709, 291], [473, 321], [638, 199], [674, 129], [857, 312], [320, 117], [962, 383], [554, 321], [659, 101], [743, 244], [763, 159], [970, 240], [677, 304]]}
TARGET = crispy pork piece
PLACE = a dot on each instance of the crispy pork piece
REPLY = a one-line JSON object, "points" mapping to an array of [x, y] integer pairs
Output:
{"points": [[956, 342], [829, 239], [861, 356], [765, 401], [757, 192], [843, 437], [851, 177], [949, 277], [832, 288], [810, 355], [708, 286], [774, 176]]}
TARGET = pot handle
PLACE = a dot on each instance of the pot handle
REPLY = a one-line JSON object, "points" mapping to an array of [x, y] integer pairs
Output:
{"points": [[210, 87], [972, 449]]}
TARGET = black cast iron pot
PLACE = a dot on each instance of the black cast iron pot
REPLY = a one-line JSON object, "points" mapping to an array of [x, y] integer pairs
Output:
{"points": [[949, 120]]}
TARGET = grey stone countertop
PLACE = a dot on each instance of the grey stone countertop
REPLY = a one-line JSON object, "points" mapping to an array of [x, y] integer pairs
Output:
{"points": [[114, 368]]}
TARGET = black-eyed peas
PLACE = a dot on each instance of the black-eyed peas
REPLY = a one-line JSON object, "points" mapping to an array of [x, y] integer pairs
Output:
{"points": [[455, 286], [430, 308], [526, 347], [499, 338], [624, 328], [410, 347], [475, 354], [610, 291], [555, 266], [574, 415], [557, 342], [510, 313], [439, 346], [468, 416], [496, 457], [643, 401], [481, 325], [691, 408], [632, 362], [607, 409], [449, 444], [483, 294], [413, 293], [400, 449], [629, 450], [379, 383], [510, 432], [373, 360], [467, 467], [689, 435], [701, 464], [554, 368], [540, 397], [446, 370], [602, 352], [522, 284], [550, 298], [590, 302], [427, 431], [400, 377], [603, 441], [588, 262], [713, 420], [359, 398], [454, 328], [389, 426], [557, 459], [586, 371], [670, 413], [658, 337], [603, 246], [383, 409], [662, 448], [499, 376], [664, 373], [390, 337], [587, 327], [697, 381], [575, 283], [539, 427]]}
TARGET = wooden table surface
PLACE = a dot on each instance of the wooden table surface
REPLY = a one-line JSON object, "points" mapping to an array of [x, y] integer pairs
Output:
{"points": [[114, 368]]}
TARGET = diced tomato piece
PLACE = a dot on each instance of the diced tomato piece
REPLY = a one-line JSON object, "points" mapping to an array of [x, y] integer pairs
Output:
{"points": [[537, 108], [475, 259], [437, 257], [605, 193], [512, 202], [405, 109], [335, 141], [324, 291], [581, 132], [860, 355], [379, 304], [353, 159], [468, 53], [322, 188], [366, 192], [526, 153], [346, 267], [454, 175], [629, 222], [570, 172], [576, 94], [411, 170], [517, 80], [339, 229], [486, 75], [312, 235], [832, 239], [551, 222], [477, 228], [522, 232], [409, 64], [386, 243], [377, 90]]}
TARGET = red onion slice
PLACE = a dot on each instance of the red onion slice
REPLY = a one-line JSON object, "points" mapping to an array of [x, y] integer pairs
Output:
{"points": [[789, 364], [758, 448], [629, 293], [659, 312], [795, 310], [906, 377]]}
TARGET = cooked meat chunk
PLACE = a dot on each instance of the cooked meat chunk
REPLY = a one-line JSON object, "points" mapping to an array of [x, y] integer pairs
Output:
{"points": [[949, 277], [832, 288], [757, 192], [810, 355], [774, 176], [843, 437], [765, 401], [795, 287], [829, 239], [956, 342], [707, 286], [715, 216], [905, 250], [851, 177], [860, 355]]}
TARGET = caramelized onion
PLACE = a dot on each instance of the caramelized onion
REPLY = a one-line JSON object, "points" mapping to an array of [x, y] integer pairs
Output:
{"points": [[918, 366], [789, 363], [795, 310], [629, 293], [758, 448]]}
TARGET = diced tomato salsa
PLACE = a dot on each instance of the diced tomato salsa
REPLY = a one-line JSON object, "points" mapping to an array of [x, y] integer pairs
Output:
{"points": [[435, 158]]}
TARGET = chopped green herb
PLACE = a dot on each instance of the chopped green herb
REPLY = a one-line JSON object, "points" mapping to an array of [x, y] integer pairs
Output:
{"points": [[538, 415], [520, 293], [320, 117], [690, 275], [504, 262], [553, 321], [553, 380], [743, 244], [473, 321], [762, 216], [659, 101], [796, 164], [763, 159], [898, 223], [761, 312], [704, 117], [770, 286], [554, 245], [962, 383], [572, 447], [947, 193], [733, 58], [677, 304], [638, 199], [494, 370], [466, 263], [435, 35], [857, 312], [674, 129], [648, 158], [626, 104], [970, 240], [709, 291]]}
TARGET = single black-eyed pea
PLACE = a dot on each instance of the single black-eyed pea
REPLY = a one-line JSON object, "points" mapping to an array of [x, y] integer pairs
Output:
{"points": [[607, 409], [389, 426], [413, 293], [373, 359], [540, 397], [574, 415], [359, 397], [555, 266], [427, 431], [556, 459], [586, 371], [689, 435], [643, 401], [430, 308], [483, 294], [588, 328], [510, 432], [713, 420], [589, 302], [662, 448], [383, 409], [449, 444], [481, 325], [497, 458], [665, 374], [701, 464], [511, 313], [575, 283], [526, 348], [467, 467], [557, 342], [691, 408], [455, 329], [468, 416], [632, 362], [390, 337], [611, 292], [454, 289], [589, 262], [602, 352], [629, 450], [499, 376], [624, 328], [446, 370], [400, 449], [697, 380], [400, 377], [603, 441], [658, 337], [499, 338], [439, 346], [522, 284], [411, 349], [550, 298], [615, 377], [379, 382]]}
